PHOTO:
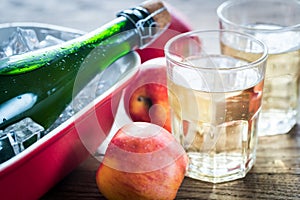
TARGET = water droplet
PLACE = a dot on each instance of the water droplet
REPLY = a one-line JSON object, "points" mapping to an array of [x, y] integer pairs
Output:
{"points": [[49, 92]]}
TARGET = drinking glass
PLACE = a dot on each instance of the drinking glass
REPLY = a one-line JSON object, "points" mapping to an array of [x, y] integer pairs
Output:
{"points": [[277, 23], [215, 85]]}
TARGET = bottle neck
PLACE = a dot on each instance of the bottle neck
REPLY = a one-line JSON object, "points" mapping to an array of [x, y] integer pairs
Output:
{"points": [[141, 20]]}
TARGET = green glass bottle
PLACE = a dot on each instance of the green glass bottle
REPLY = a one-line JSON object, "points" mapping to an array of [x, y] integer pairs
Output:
{"points": [[40, 84]]}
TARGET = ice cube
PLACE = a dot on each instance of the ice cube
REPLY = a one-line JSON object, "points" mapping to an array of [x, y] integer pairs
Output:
{"points": [[102, 86], [81, 101], [30, 37], [65, 36], [2, 52], [25, 132], [6, 149], [48, 41], [21, 41], [111, 75], [64, 116]]}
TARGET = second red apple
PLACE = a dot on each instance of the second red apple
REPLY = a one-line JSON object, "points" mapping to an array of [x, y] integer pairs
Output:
{"points": [[146, 98]]}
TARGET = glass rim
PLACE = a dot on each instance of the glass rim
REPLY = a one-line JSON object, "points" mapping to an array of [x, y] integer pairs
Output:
{"points": [[229, 3], [258, 61]]}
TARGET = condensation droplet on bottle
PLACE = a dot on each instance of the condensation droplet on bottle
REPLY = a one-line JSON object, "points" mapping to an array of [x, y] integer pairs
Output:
{"points": [[49, 92]]}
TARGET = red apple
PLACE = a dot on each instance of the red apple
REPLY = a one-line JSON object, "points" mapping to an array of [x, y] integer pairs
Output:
{"points": [[146, 97], [142, 161]]}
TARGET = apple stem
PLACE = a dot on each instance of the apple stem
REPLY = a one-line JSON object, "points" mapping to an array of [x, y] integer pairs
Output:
{"points": [[147, 101]]}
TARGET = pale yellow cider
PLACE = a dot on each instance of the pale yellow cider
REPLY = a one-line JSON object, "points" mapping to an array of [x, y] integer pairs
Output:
{"points": [[229, 133], [216, 125], [281, 86]]}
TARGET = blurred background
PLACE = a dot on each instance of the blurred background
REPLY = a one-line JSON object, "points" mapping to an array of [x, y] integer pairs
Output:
{"points": [[87, 15]]}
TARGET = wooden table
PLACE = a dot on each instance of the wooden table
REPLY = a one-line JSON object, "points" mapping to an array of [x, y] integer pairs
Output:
{"points": [[276, 175]]}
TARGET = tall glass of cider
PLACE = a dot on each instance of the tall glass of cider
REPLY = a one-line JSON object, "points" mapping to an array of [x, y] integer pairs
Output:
{"points": [[215, 98], [276, 23]]}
